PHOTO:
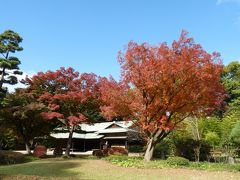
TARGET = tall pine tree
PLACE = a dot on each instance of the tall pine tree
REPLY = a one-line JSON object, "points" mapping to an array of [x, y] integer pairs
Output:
{"points": [[9, 65]]}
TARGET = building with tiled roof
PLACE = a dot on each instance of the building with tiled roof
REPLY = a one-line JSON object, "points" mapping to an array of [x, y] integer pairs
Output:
{"points": [[100, 135]]}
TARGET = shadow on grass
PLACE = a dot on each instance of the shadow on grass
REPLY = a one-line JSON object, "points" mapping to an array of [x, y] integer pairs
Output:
{"points": [[44, 168]]}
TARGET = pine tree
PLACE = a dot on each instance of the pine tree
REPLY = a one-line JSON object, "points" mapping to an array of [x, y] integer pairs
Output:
{"points": [[9, 65]]}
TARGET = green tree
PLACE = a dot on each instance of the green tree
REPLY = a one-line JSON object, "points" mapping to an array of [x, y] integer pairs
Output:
{"points": [[231, 82], [8, 138], [212, 138], [227, 124], [22, 113], [212, 124], [192, 138], [235, 133], [9, 65]]}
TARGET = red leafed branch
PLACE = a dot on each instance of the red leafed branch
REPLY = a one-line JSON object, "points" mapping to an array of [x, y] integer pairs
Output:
{"points": [[161, 85], [51, 115], [65, 92]]}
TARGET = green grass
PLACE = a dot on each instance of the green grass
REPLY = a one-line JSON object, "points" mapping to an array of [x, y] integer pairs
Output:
{"points": [[215, 166], [126, 161], [45, 167], [92, 168]]}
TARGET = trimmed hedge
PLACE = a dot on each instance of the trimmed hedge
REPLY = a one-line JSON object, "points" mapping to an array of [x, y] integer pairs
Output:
{"points": [[177, 161], [9, 157]]}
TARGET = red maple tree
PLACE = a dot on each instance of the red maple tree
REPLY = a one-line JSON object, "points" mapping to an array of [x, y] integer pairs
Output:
{"points": [[162, 85], [67, 94]]}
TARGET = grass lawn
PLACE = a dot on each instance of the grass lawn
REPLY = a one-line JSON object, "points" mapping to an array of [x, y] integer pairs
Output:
{"points": [[58, 168]]}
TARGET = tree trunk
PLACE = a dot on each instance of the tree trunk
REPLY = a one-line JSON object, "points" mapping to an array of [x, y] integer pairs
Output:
{"points": [[3, 71], [197, 152], [69, 143], [27, 146], [25, 137], [2, 78], [149, 152], [162, 155]]}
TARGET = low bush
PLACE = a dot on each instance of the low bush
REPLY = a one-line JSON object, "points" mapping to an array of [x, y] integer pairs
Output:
{"points": [[9, 157], [136, 149], [40, 151], [126, 161], [90, 157], [30, 158], [98, 153], [237, 167], [162, 150], [215, 166], [172, 162], [66, 156], [177, 161], [110, 151], [58, 151], [117, 151], [185, 148]]}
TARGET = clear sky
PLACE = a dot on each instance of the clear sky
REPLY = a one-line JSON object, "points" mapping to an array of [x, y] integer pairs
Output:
{"points": [[87, 34]]}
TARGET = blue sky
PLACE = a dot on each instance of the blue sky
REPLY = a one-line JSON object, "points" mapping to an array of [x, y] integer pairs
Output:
{"points": [[88, 34]]}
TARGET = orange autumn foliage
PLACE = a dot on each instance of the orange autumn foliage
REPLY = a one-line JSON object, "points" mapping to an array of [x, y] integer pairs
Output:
{"points": [[162, 85]]}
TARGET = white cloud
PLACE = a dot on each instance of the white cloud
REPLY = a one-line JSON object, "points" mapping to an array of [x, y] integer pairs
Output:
{"points": [[219, 2], [11, 88]]}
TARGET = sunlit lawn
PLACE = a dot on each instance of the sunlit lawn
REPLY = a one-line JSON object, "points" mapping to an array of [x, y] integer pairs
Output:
{"points": [[57, 168]]}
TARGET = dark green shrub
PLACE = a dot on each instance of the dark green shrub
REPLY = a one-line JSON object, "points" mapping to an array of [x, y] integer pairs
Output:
{"points": [[237, 167], [162, 150], [8, 139], [185, 148], [58, 151], [30, 158], [177, 161], [136, 148], [48, 142], [9, 157], [98, 153], [66, 156], [205, 151]]}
